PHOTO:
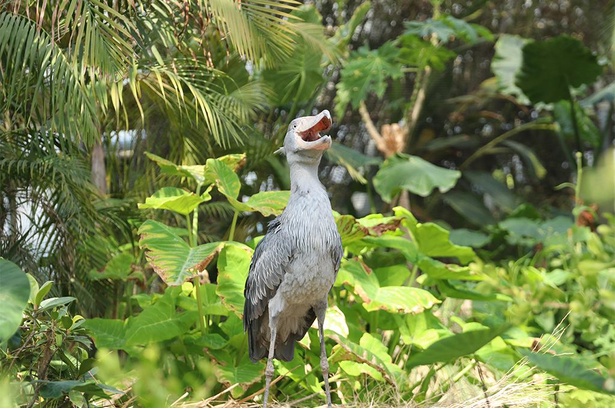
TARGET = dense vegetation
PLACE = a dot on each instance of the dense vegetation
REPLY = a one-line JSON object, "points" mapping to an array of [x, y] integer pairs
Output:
{"points": [[473, 178]]}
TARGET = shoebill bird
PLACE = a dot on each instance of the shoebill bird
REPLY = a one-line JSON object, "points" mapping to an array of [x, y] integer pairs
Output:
{"points": [[295, 264]]}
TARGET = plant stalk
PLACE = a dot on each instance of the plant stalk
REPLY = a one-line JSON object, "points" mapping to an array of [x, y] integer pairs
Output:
{"points": [[231, 235], [199, 304]]}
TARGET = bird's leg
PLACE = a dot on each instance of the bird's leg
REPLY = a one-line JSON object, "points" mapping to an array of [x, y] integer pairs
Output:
{"points": [[324, 363], [269, 370]]}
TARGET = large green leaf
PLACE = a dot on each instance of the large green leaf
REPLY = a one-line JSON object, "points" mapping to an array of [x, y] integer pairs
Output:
{"points": [[175, 199], [14, 294], [395, 299], [228, 183], [157, 322], [233, 266], [568, 369], [225, 178], [455, 346], [552, 66], [433, 241], [170, 256], [401, 300], [107, 333], [507, 63], [268, 203], [195, 172], [406, 172]]}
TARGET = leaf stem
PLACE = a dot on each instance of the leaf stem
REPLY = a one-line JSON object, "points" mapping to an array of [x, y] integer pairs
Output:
{"points": [[575, 124], [199, 303], [231, 235]]}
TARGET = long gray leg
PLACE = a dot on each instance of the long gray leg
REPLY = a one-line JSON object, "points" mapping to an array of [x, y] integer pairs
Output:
{"points": [[270, 370], [324, 363]]}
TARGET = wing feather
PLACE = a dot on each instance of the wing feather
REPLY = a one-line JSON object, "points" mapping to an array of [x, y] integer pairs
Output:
{"points": [[267, 269]]}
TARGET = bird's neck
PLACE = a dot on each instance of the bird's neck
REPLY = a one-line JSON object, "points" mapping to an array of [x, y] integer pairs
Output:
{"points": [[304, 177]]}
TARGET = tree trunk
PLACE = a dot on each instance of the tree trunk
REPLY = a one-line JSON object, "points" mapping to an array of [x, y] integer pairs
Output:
{"points": [[99, 172]]}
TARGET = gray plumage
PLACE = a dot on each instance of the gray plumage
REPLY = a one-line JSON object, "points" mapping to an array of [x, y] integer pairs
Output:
{"points": [[296, 263]]}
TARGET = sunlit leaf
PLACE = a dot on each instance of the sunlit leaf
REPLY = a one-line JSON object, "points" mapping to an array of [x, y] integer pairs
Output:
{"points": [[228, 183], [368, 352], [401, 300], [196, 172], [395, 299], [433, 241], [170, 256], [175, 199], [233, 266], [268, 203]]}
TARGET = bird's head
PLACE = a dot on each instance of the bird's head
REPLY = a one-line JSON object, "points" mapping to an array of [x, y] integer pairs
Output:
{"points": [[303, 141]]}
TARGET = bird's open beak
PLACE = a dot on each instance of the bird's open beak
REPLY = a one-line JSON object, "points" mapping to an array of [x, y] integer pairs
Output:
{"points": [[309, 131]]}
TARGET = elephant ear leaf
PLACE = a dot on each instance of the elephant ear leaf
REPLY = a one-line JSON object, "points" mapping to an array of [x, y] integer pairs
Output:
{"points": [[552, 66]]}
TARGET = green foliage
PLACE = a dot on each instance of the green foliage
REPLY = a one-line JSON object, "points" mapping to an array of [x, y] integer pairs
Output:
{"points": [[507, 63], [412, 173], [300, 76], [49, 359], [572, 372], [13, 298], [170, 256], [547, 75], [448, 28], [367, 72]]}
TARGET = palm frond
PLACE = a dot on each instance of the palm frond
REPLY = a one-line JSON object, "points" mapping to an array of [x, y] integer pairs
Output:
{"points": [[258, 29], [39, 87], [191, 90], [99, 35]]}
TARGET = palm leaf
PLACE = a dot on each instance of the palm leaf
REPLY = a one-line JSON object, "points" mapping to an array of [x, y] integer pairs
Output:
{"points": [[258, 29], [39, 84]]}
